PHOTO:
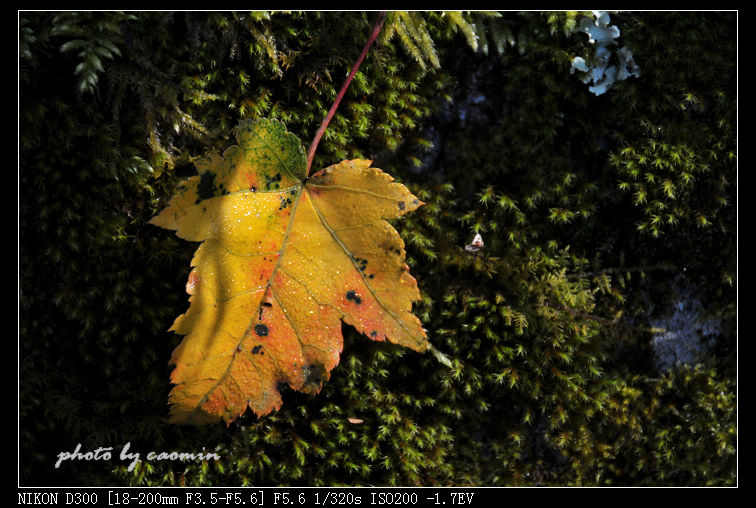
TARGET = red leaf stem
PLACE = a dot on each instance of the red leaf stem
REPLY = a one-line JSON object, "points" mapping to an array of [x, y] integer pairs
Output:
{"points": [[376, 30]]}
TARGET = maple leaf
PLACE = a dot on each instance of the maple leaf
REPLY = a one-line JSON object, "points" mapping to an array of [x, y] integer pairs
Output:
{"points": [[284, 259]]}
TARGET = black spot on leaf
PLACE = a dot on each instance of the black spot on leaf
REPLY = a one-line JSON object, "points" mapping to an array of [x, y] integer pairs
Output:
{"points": [[206, 187], [352, 295], [361, 263], [271, 182], [261, 330]]}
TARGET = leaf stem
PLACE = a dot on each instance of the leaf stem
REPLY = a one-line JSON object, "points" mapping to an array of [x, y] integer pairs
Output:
{"points": [[376, 30]]}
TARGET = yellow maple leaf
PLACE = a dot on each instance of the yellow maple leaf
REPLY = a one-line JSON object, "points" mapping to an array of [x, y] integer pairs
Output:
{"points": [[284, 259]]}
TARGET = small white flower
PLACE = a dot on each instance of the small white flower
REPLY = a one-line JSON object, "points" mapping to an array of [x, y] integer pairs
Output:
{"points": [[476, 245]]}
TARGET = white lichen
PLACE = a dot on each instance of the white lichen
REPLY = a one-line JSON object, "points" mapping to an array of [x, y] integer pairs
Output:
{"points": [[598, 72]]}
